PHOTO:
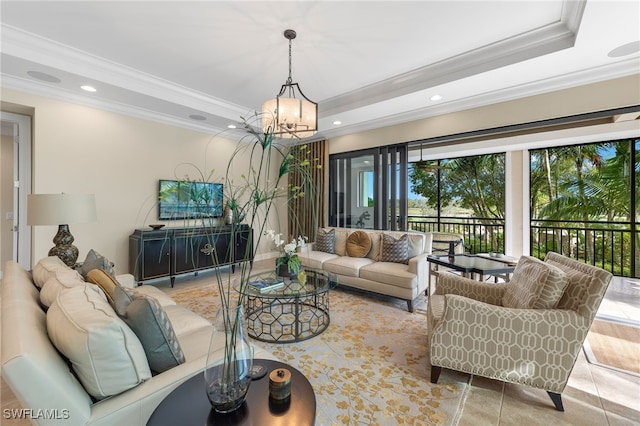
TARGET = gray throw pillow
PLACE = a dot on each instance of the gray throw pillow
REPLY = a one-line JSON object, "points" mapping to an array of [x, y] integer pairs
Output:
{"points": [[326, 241], [95, 260], [148, 320], [393, 250]]}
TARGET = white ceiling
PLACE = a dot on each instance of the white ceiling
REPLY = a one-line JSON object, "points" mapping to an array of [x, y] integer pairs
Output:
{"points": [[367, 63]]}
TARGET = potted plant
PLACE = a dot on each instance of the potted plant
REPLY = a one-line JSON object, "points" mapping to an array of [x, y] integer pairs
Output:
{"points": [[288, 263], [266, 165]]}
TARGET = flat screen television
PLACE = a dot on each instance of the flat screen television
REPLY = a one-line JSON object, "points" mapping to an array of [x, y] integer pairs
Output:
{"points": [[189, 200]]}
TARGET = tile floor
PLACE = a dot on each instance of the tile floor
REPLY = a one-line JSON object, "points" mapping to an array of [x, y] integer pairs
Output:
{"points": [[595, 395]]}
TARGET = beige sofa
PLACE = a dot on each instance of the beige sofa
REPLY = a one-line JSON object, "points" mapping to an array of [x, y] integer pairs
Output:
{"points": [[46, 384], [404, 281]]}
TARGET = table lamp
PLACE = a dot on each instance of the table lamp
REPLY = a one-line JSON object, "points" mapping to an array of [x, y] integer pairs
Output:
{"points": [[61, 209]]}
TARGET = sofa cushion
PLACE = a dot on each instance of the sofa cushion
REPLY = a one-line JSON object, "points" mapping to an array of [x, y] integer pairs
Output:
{"points": [[341, 241], [45, 268], [396, 274], [358, 244], [325, 241], [95, 260], [61, 279], [535, 284], [345, 265], [105, 354], [395, 250], [105, 281], [314, 259], [150, 323]]}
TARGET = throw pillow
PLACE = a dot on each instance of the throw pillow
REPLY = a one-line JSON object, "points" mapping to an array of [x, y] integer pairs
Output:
{"points": [[393, 250], [534, 285], [60, 280], [95, 260], [358, 244], [104, 353], [326, 241], [150, 323], [46, 268], [105, 281]]}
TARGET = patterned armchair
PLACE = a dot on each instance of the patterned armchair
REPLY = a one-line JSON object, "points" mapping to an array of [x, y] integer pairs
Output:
{"points": [[528, 331]]}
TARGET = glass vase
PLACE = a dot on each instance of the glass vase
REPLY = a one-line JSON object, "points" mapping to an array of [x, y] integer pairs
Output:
{"points": [[229, 361]]}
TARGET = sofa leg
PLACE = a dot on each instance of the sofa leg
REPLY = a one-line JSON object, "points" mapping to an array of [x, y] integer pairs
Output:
{"points": [[410, 305], [557, 400], [435, 373]]}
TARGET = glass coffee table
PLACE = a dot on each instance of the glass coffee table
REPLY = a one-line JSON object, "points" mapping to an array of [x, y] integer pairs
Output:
{"points": [[291, 313]]}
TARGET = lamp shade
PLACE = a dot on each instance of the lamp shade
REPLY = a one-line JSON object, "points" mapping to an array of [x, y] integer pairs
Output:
{"points": [[57, 209]]}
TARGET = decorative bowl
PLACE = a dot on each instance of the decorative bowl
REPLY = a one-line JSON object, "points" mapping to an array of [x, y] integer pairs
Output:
{"points": [[157, 226]]}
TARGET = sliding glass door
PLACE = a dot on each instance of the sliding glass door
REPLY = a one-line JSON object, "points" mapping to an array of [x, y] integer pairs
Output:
{"points": [[368, 189]]}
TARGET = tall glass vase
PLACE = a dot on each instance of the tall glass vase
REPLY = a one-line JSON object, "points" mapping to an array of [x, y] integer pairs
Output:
{"points": [[229, 361]]}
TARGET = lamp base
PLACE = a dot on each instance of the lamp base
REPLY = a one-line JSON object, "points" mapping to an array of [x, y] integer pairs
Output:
{"points": [[64, 248]]}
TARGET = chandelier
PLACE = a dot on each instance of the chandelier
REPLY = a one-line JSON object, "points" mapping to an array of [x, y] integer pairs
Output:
{"points": [[289, 115]]}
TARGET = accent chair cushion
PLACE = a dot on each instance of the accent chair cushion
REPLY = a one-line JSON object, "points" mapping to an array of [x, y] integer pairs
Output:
{"points": [[149, 321], [95, 260], [535, 285], [61, 279], [326, 241], [358, 244], [46, 268], [104, 353], [393, 250]]}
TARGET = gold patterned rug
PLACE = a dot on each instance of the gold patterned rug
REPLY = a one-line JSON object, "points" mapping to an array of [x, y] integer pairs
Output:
{"points": [[369, 367]]}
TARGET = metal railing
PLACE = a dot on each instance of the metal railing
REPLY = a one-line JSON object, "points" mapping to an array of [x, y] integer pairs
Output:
{"points": [[608, 245], [480, 234]]}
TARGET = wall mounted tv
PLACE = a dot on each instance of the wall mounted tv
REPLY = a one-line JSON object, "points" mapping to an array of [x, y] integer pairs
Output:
{"points": [[189, 200]]}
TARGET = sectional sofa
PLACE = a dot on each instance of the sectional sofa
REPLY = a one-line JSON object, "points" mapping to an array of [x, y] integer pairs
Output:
{"points": [[392, 263], [105, 376]]}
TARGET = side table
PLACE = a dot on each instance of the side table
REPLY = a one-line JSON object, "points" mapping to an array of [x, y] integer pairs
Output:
{"points": [[188, 403]]}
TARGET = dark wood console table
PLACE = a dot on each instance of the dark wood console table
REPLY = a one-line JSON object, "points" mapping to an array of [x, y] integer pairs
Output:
{"points": [[168, 252]]}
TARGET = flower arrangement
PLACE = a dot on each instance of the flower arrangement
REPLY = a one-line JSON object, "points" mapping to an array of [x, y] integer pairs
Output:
{"points": [[289, 252]]}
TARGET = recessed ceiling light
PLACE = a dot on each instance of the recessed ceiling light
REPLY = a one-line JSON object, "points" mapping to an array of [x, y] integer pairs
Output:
{"points": [[44, 76], [625, 49], [87, 88], [436, 97], [337, 122], [197, 117], [231, 126]]}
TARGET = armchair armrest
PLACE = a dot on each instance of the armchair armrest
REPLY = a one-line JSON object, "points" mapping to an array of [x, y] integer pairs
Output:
{"points": [[536, 347], [450, 283], [126, 280]]}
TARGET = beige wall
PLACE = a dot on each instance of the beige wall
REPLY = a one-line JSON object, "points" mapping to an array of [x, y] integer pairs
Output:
{"points": [[583, 99], [77, 149], [6, 198]]}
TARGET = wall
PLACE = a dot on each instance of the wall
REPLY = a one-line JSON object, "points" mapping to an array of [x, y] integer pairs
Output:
{"points": [[77, 149], [610, 94], [6, 198]]}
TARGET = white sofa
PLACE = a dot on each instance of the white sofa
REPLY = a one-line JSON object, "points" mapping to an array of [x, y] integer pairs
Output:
{"points": [[404, 281], [43, 380]]}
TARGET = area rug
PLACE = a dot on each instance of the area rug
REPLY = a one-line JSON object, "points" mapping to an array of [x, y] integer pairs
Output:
{"points": [[614, 345], [368, 368]]}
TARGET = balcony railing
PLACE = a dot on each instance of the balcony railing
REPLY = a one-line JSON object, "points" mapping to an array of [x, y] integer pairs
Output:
{"points": [[480, 234], [609, 245]]}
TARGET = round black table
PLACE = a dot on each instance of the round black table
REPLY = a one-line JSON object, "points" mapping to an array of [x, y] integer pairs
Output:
{"points": [[188, 403]]}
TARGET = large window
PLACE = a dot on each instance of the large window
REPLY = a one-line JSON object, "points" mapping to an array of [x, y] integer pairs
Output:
{"points": [[584, 204], [462, 195]]}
